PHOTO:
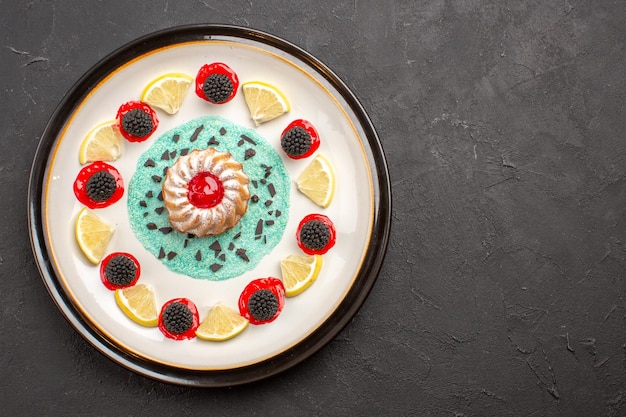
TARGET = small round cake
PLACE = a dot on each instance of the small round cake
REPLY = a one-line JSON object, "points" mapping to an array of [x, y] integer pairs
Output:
{"points": [[176, 208], [205, 192]]}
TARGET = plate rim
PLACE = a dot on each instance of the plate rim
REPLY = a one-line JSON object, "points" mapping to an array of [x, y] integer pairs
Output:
{"points": [[338, 319]]}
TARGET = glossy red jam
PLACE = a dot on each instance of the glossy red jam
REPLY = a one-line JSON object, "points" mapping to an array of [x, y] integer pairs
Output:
{"points": [[105, 262], [274, 285], [216, 68], [205, 190], [132, 105], [188, 333], [331, 240], [315, 137], [82, 179]]}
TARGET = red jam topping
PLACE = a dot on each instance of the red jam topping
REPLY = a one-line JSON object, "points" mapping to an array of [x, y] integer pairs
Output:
{"points": [[217, 68], [120, 267], [315, 137], [137, 121], [98, 185], [205, 190], [316, 240], [274, 285], [179, 319]]}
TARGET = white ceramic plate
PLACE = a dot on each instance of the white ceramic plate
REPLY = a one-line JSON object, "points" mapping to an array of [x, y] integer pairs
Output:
{"points": [[360, 209]]}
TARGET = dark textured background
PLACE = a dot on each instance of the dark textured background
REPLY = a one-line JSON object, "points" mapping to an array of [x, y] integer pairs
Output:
{"points": [[503, 291]]}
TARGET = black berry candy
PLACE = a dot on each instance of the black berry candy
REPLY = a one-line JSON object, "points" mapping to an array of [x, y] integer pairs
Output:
{"points": [[179, 319], [217, 88], [119, 270], [137, 121], [263, 305], [299, 139], [315, 234], [262, 300], [101, 186], [216, 83], [98, 185]]}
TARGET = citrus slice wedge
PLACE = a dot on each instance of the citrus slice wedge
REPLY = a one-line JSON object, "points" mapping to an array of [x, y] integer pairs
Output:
{"points": [[102, 143], [138, 303], [264, 101], [317, 181], [299, 272], [93, 235], [167, 92], [222, 323]]}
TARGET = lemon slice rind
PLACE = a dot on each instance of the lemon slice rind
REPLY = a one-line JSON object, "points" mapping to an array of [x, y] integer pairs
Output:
{"points": [[221, 323], [102, 143], [265, 102], [138, 303], [167, 92], [299, 272], [318, 182], [92, 235]]}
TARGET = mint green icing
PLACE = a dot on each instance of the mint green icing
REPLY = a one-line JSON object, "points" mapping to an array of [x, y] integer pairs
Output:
{"points": [[235, 251]]}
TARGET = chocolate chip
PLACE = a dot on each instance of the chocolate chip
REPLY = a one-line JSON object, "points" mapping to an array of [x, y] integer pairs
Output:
{"points": [[242, 254], [195, 134], [255, 198], [198, 256], [143, 203], [222, 131], [223, 257], [161, 253], [184, 152], [212, 141], [150, 194], [231, 246], [268, 203], [269, 222], [247, 139], [149, 163], [166, 230], [151, 226], [216, 247], [165, 156], [171, 255], [176, 138], [249, 154], [271, 189], [159, 210], [157, 178], [215, 267]]}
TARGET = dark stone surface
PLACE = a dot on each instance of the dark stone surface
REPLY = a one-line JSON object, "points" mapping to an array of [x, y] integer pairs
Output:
{"points": [[503, 291]]}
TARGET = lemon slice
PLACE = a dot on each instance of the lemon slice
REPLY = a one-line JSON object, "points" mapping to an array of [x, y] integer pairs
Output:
{"points": [[102, 143], [167, 92], [264, 101], [222, 323], [93, 235], [317, 181], [138, 303], [299, 272]]}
